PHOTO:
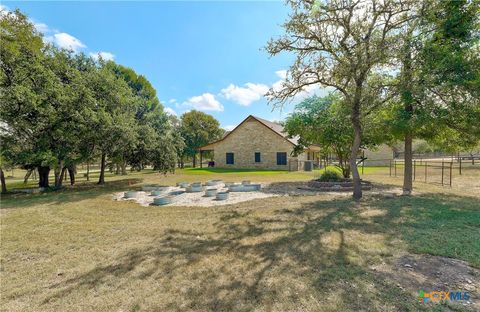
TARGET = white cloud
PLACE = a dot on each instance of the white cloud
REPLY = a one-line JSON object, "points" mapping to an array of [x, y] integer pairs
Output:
{"points": [[170, 111], [229, 127], [278, 85], [3, 10], [245, 95], [41, 27], [281, 73], [171, 101], [106, 56], [204, 102], [66, 41]]}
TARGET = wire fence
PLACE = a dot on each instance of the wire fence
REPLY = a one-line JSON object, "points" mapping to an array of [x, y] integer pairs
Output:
{"points": [[438, 172], [427, 170]]}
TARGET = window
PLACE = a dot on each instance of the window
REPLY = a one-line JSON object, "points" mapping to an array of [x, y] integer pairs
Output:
{"points": [[258, 157], [230, 159], [281, 158]]}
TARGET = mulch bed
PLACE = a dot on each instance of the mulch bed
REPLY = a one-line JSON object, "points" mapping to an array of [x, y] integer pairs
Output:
{"points": [[342, 186]]}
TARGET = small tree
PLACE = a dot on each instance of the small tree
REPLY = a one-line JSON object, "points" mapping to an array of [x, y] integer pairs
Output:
{"points": [[325, 121], [198, 129]]}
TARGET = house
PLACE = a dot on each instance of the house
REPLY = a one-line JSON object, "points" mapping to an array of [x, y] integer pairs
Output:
{"points": [[381, 156], [259, 143]]}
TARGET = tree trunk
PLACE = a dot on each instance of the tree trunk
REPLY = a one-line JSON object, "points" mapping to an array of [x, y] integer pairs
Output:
{"points": [[408, 168], [43, 173], [101, 179], [59, 173], [56, 175], [194, 160], [124, 168], [88, 171], [357, 141], [71, 173], [407, 98], [60, 177], [2, 179], [27, 175], [117, 169]]}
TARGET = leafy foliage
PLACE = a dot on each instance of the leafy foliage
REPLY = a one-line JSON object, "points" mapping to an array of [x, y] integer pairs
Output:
{"points": [[330, 176], [198, 129], [59, 109], [345, 45], [325, 121]]}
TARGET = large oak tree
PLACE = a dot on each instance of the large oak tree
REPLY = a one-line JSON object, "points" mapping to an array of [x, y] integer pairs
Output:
{"points": [[341, 44]]}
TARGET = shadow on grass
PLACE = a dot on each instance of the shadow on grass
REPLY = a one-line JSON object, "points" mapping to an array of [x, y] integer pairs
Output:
{"points": [[67, 194], [232, 170], [316, 255], [302, 187]]}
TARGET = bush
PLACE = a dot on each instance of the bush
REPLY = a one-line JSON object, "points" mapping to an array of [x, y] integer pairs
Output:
{"points": [[330, 176]]}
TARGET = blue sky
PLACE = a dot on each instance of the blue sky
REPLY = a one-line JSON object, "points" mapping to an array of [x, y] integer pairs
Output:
{"points": [[198, 55]]}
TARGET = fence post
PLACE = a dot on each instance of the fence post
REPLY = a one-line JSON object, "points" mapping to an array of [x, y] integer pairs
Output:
{"points": [[390, 167], [460, 168], [451, 165], [414, 168], [442, 171], [426, 166], [395, 167]]}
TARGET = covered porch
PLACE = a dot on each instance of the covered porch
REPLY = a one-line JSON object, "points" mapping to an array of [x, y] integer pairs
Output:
{"points": [[206, 149], [311, 155]]}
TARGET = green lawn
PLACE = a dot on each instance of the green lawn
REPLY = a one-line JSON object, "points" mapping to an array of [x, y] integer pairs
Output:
{"points": [[187, 174], [232, 171], [76, 249], [16, 181]]}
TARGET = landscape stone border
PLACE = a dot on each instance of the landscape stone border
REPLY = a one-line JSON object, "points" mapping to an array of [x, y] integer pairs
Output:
{"points": [[341, 186]]}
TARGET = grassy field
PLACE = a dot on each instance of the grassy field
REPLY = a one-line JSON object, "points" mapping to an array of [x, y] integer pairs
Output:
{"points": [[15, 179], [76, 249]]}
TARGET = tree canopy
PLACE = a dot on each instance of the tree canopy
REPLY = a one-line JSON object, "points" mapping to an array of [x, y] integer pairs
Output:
{"points": [[59, 109], [197, 129], [325, 121], [344, 45], [415, 63]]}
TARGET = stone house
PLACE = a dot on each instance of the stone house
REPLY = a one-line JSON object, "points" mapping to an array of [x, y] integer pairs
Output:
{"points": [[379, 156], [259, 143]]}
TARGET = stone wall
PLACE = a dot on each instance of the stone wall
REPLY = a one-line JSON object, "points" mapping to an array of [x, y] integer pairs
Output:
{"points": [[248, 138]]}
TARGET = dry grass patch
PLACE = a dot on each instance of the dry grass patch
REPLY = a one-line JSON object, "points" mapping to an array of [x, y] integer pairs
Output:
{"points": [[79, 250]]}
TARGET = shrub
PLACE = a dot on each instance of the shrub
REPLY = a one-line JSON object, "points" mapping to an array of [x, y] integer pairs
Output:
{"points": [[330, 176]]}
